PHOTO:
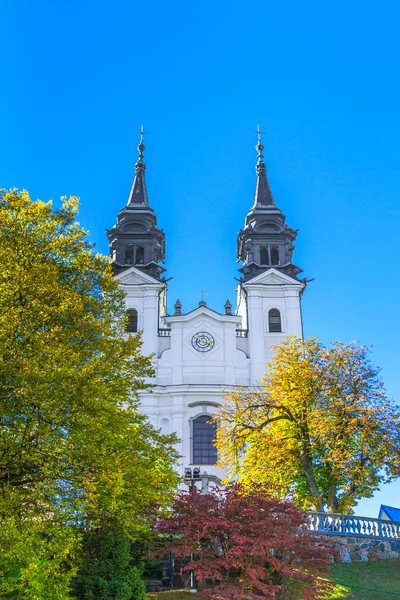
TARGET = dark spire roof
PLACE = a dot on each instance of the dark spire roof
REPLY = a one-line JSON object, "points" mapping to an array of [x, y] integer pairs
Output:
{"points": [[135, 240], [138, 194], [263, 197], [266, 241]]}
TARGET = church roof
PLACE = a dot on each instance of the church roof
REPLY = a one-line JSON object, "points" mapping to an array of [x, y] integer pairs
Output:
{"points": [[138, 195], [392, 513], [263, 198]]}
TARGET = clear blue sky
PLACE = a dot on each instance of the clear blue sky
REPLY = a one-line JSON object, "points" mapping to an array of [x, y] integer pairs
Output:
{"points": [[322, 79]]}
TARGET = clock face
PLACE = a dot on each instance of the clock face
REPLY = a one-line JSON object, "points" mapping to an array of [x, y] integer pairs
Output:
{"points": [[203, 341]]}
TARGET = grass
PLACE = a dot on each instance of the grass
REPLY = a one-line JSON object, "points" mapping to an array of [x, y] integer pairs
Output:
{"points": [[383, 576]]}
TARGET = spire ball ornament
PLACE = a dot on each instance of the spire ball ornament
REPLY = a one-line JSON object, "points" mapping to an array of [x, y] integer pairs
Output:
{"points": [[140, 165], [260, 166]]}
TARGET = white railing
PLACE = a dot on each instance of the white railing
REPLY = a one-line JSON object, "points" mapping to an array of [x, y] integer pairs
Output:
{"points": [[350, 525], [164, 333], [241, 333]]}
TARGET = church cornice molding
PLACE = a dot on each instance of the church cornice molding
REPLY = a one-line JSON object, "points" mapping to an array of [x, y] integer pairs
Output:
{"points": [[203, 310], [258, 287], [204, 403], [272, 277], [186, 389]]}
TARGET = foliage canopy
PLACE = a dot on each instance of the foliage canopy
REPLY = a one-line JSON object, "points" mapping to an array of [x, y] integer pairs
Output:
{"points": [[74, 450], [254, 546], [320, 427]]}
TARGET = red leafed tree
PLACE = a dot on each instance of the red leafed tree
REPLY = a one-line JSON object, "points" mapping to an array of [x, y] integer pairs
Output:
{"points": [[252, 546]]}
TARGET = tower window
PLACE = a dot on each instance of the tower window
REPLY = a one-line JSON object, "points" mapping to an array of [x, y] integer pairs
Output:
{"points": [[204, 451], [139, 255], [274, 321], [129, 255], [264, 256], [274, 255], [132, 320]]}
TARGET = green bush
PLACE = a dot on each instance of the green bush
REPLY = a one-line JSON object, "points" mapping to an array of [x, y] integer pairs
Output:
{"points": [[106, 571]]}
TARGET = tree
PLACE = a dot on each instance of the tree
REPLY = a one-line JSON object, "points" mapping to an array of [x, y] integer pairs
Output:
{"points": [[320, 427], [75, 453], [252, 545], [106, 571]]}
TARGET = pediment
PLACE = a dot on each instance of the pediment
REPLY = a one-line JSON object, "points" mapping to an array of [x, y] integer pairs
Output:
{"points": [[200, 313], [134, 276], [273, 277]]}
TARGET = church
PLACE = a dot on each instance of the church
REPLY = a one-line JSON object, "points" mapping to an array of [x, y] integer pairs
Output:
{"points": [[202, 354]]}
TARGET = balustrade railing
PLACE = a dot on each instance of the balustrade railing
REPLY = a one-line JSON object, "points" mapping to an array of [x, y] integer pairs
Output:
{"points": [[241, 333], [350, 525], [164, 333]]}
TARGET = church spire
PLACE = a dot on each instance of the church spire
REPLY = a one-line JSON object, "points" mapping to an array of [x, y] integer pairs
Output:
{"points": [[136, 241], [263, 197], [266, 241], [138, 194]]}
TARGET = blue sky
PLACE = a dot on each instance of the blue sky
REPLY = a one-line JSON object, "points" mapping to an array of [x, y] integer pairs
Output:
{"points": [[322, 79]]}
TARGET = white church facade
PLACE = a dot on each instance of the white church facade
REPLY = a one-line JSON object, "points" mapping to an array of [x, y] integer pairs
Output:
{"points": [[200, 355]]}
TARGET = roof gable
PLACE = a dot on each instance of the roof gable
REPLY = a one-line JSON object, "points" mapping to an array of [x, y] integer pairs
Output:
{"points": [[273, 277], [392, 513], [134, 276], [203, 311]]}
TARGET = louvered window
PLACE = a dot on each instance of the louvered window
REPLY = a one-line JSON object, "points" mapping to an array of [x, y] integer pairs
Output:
{"points": [[139, 255], [264, 256], [274, 321], [129, 255], [132, 321], [274, 255]]}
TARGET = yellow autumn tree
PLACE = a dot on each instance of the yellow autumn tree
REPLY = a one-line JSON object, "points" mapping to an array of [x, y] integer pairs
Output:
{"points": [[75, 453], [319, 429]]}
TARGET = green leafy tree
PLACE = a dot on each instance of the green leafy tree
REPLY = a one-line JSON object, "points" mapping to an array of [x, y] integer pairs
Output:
{"points": [[75, 453], [106, 571], [320, 428]]}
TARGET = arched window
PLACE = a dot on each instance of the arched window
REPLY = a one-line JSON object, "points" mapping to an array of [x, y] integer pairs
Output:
{"points": [[274, 255], [274, 321], [165, 426], [204, 451], [264, 257], [139, 255], [129, 255], [131, 325]]}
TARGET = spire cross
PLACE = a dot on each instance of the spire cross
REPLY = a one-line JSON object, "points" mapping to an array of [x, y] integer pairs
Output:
{"points": [[259, 132], [203, 293], [142, 132]]}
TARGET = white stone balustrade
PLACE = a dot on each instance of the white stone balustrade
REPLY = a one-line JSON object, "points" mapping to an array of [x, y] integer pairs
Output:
{"points": [[351, 525]]}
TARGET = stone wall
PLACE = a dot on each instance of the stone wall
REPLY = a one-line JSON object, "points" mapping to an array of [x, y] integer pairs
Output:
{"points": [[353, 549]]}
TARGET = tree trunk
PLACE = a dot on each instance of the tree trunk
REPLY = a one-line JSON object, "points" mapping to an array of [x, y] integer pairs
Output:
{"points": [[333, 504], [312, 487]]}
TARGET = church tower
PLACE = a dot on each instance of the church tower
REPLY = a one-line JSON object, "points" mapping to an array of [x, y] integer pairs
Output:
{"points": [[137, 247], [266, 240], [269, 292], [136, 240]]}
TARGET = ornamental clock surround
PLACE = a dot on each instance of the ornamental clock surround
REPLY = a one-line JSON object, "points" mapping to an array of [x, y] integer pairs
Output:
{"points": [[203, 341]]}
